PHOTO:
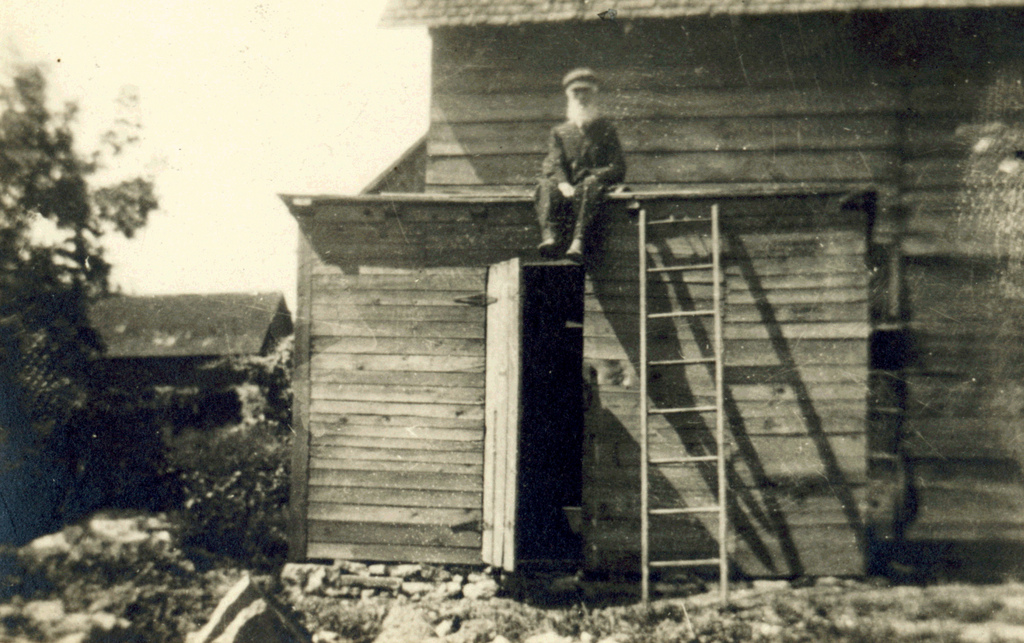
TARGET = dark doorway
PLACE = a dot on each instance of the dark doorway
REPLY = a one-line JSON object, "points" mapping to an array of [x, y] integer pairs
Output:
{"points": [[551, 430]]}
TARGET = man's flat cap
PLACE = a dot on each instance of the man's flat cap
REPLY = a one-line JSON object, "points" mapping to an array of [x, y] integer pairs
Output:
{"points": [[581, 75]]}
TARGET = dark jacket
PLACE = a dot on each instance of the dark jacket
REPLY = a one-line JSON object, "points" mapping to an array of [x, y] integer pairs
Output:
{"points": [[575, 154]]}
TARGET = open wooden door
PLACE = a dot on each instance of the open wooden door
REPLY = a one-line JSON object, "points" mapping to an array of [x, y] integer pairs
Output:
{"points": [[501, 412], [534, 413]]}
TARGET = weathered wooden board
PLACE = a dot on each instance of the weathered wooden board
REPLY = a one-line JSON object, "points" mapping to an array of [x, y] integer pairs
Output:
{"points": [[681, 167], [396, 427], [403, 362], [395, 515], [399, 553], [647, 104], [395, 480], [714, 134], [411, 423], [407, 534], [465, 411], [398, 465], [393, 497], [398, 393]]}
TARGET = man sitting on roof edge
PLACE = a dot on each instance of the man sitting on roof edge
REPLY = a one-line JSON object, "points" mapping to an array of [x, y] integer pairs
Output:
{"points": [[584, 158]]}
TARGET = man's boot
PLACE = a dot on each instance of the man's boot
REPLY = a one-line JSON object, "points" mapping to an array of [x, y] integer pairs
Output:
{"points": [[575, 251], [548, 245]]}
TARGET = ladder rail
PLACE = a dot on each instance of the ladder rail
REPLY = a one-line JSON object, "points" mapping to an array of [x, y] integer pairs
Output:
{"points": [[715, 360], [723, 518], [645, 554]]}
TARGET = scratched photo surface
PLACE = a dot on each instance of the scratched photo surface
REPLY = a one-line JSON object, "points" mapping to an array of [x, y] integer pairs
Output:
{"points": [[573, 301]]}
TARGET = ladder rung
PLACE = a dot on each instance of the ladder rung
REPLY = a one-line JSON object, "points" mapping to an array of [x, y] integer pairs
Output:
{"points": [[683, 313], [695, 562], [688, 267], [684, 459], [676, 511], [683, 409], [676, 362], [671, 221]]}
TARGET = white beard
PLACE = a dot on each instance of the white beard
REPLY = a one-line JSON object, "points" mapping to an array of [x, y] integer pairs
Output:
{"points": [[581, 115]]}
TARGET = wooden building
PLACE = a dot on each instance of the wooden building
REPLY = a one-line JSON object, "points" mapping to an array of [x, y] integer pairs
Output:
{"points": [[180, 342], [872, 346]]}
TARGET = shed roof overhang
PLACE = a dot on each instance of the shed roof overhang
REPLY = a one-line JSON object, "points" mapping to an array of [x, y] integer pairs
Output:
{"points": [[450, 13]]}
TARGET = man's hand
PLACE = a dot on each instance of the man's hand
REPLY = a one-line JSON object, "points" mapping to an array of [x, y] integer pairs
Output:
{"points": [[566, 189]]}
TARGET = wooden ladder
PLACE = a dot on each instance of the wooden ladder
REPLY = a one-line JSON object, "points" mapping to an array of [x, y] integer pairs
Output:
{"points": [[713, 359]]}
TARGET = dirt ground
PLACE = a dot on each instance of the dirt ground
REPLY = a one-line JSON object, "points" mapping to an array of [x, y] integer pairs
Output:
{"points": [[122, 578]]}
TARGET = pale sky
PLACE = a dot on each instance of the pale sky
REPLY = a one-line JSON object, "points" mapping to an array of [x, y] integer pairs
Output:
{"points": [[240, 100]]}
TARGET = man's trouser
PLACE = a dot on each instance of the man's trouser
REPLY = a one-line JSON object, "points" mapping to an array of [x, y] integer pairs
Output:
{"points": [[559, 216]]}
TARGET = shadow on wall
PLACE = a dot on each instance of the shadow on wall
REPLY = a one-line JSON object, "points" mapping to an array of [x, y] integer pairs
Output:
{"points": [[759, 502]]}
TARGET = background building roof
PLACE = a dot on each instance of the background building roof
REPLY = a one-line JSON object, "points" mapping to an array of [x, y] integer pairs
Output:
{"points": [[190, 325], [436, 13]]}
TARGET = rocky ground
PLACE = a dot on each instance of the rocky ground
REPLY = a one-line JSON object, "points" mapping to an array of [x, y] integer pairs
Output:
{"points": [[122, 578]]}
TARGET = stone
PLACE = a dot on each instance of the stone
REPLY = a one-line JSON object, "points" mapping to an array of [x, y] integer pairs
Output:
{"points": [[473, 630], [416, 588], [827, 581], [377, 570], [296, 573], [120, 530], [372, 582], [43, 612], [500, 639], [435, 574], [75, 622], [770, 585], [241, 595], [315, 580], [444, 628], [404, 571], [50, 544], [452, 589], [259, 622], [367, 594], [402, 624], [107, 621], [326, 636], [992, 633], [548, 637], [480, 590]]}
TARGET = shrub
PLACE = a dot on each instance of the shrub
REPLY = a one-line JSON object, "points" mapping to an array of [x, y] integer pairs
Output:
{"points": [[235, 483]]}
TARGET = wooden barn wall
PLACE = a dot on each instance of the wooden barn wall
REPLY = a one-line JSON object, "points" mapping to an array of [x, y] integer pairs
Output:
{"points": [[960, 300], [796, 331], [397, 377], [395, 409], [925, 105], [965, 401], [702, 101]]}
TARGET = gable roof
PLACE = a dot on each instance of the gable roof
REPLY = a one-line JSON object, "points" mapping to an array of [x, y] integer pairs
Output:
{"points": [[438, 13], [190, 325]]}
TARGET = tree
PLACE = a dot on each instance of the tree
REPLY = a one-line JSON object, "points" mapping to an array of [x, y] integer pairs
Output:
{"points": [[45, 285]]}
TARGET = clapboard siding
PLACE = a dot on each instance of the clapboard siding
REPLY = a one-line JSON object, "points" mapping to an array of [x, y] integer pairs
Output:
{"points": [[396, 407], [391, 373], [699, 101], [397, 359], [796, 391]]}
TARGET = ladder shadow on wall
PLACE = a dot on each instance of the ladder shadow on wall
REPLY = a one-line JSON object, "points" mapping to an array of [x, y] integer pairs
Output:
{"points": [[757, 518]]}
